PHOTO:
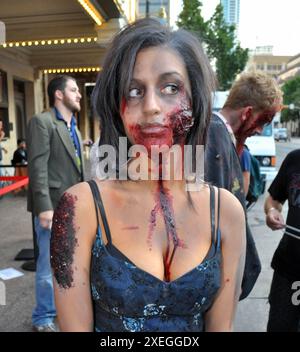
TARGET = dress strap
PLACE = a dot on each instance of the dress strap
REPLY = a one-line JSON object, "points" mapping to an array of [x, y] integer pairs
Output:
{"points": [[212, 213], [218, 221], [91, 184], [99, 205]]}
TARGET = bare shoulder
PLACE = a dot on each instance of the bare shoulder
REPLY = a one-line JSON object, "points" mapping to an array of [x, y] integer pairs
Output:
{"points": [[232, 215], [229, 204], [78, 203], [81, 194]]}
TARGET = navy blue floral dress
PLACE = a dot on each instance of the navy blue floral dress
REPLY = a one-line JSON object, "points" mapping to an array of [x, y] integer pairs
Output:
{"points": [[127, 298]]}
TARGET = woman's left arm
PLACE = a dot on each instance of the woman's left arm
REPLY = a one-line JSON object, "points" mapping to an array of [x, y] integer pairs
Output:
{"points": [[221, 315]]}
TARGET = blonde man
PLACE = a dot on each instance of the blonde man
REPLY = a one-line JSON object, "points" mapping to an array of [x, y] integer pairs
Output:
{"points": [[252, 103]]}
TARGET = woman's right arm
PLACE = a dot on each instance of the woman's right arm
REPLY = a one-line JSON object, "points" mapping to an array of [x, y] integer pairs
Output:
{"points": [[73, 233]]}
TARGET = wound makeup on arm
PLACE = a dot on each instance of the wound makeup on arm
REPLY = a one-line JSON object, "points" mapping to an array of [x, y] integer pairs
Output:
{"points": [[63, 241]]}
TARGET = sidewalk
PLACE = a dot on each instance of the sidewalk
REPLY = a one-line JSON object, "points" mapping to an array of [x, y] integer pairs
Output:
{"points": [[252, 313], [295, 140], [16, 234]]}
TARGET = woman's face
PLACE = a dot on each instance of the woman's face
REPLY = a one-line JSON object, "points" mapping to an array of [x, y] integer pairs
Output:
{"points": [[157, 109]]}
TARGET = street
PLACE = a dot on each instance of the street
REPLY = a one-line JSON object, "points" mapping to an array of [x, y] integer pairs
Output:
{"points": [[283, 148], [16, 234]]}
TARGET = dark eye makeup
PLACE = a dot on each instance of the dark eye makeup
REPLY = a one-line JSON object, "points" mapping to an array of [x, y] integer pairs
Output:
{"points": [[166, 88]]}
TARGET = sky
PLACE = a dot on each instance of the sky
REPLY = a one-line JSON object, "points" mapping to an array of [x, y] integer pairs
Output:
{"points": [[266, 22]]}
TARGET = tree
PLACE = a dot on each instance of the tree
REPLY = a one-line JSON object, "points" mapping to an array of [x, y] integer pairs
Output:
{"points": [[230, 57], [219, 38], [191, 19], [291, 95]]}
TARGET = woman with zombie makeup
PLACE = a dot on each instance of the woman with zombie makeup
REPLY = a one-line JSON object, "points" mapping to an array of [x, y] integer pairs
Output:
{"points": [[147, 253]]}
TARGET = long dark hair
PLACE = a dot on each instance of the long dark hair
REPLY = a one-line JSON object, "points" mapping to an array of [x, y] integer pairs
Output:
{"points": [[114, 79]]}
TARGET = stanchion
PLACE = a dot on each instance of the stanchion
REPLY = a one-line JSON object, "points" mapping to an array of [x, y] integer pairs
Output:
{"points": [[19, 181], [28, 255], [31, 264]]}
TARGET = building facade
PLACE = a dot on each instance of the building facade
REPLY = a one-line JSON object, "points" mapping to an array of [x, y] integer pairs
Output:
{"points": [[271, 64], [231, 11], [291, 70], [45, 38], [154, 8]]}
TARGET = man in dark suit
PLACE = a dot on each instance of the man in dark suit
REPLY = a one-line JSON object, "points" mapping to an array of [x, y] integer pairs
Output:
{"points": [[55, 163]]}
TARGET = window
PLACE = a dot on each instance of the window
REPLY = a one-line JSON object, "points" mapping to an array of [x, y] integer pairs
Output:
{"points": [[3, 89], [260, 67], [267, 131], [4, 102], [4, 118]]}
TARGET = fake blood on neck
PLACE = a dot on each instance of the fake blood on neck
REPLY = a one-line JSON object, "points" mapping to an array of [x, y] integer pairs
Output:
{"points": [[164, 206]]}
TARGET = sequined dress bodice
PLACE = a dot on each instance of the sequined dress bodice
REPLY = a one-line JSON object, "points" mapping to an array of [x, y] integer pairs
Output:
{"points": [[127, 298]]}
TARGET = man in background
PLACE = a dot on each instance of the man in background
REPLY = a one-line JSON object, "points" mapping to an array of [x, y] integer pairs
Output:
{"points": [[20, 154], [55, 163], [253, 101], [284, 314], [20, 161], [2, 149]]}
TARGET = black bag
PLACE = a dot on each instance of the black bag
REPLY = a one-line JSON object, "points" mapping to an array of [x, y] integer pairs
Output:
{"points": [[252, 265], [257, 182]]}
